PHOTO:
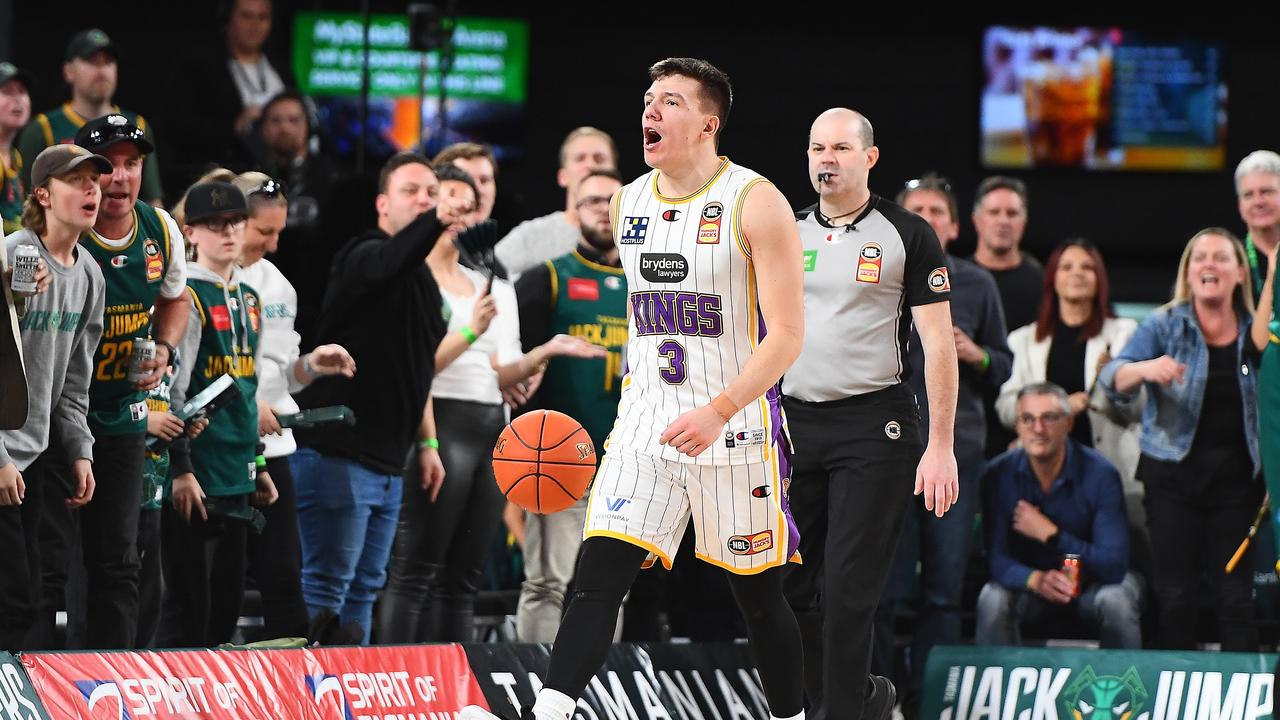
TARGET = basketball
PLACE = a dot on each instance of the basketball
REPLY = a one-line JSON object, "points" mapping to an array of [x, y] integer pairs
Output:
{"points": [[544, 461]]}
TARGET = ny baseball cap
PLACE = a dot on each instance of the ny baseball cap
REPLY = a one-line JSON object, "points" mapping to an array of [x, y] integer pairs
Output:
{"points": [[8, 71], [58, 159], [87, 43], [101, 133], [214, 199]]}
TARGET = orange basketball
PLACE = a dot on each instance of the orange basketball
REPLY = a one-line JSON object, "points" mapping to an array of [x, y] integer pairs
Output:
{"points": [[544, 461]]}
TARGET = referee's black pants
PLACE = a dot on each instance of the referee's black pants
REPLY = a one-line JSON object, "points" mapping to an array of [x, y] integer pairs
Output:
{"points": [[852, 478]]}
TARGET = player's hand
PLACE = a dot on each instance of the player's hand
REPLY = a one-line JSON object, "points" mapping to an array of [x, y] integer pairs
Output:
{"points": [[694, 431], [431, 470], [266, 492], [482, 314], [82, 471], [12, 488], [187, 497], [155, 369], [967, 350], [1164, 370], [1029, 521], [268, 423], [517, 394], [163, 425], [332, 360], [196, 426], [569, 346], [1054, 586], [938, 480]]}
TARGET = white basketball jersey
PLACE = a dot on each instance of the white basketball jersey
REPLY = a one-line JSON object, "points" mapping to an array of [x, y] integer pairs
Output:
{"points": [[693, 316]]}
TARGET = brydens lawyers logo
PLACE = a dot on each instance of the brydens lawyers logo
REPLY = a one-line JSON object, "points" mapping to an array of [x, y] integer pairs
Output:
{"points": [[105, 693], [322, 687]]}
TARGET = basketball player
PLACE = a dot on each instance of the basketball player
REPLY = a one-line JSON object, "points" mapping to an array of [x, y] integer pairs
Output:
{"points": [[712, 258]]}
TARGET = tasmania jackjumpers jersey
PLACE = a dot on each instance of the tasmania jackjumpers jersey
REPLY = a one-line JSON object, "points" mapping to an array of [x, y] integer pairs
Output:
{"points": [[694, 315]]}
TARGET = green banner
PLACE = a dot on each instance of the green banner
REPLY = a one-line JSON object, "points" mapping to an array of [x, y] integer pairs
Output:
{"points": [[491, 57], [998, 683], [18, 699]]}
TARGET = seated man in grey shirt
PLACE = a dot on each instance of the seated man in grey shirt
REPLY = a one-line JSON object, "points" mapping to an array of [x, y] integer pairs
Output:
{"points": [[535, 241], [60, 328]]}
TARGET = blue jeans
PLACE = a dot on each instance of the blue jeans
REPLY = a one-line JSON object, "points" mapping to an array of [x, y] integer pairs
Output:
{"points": [[1115, 610], [346, 521]]}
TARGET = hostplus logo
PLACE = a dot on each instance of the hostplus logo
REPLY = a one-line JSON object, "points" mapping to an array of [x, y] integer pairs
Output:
{"points": [[324, 686]]}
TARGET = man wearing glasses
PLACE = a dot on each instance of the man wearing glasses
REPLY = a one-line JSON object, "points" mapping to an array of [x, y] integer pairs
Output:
{"points": [[871, 270], [1049, 499], [982, 351], [583, 293], [140, 251]]}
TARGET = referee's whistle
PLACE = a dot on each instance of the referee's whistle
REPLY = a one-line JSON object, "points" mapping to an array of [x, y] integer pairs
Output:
{"points": [[824, 177]]}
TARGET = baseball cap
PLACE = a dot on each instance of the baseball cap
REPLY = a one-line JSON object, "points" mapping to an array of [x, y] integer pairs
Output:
{"points": [[58, 159], [87, 43], [8, 71], [213, 199], [101, 133]]}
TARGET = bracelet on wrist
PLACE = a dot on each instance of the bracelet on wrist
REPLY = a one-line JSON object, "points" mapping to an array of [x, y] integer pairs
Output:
{"points": [[986, 361], [468, 334], [306, 366], [260, 462], [432, 443]]}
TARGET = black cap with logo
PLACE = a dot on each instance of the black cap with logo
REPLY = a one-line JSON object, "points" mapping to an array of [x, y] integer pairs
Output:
{"points": [[100, 133], [214, 199], [88, 43]]}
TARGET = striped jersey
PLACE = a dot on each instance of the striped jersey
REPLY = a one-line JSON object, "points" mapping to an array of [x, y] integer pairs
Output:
{"points": [[694, 316]]}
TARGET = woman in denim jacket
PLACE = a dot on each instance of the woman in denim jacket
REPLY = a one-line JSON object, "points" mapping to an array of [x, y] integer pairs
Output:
{"points": [[1199, 442]]}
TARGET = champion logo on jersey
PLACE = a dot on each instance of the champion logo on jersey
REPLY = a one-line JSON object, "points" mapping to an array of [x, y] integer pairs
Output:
{"points": [[613, 282], [671, 215], [584, 289], [119, 261], [633, 230]]}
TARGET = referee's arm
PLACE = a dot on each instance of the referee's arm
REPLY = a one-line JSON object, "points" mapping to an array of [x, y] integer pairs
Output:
{"points": [[936, 476]]}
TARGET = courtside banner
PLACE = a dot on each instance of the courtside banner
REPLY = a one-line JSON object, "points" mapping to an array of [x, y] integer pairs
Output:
{"points": [[18, 699], [638, 681], [997, 683], [426, 682]]}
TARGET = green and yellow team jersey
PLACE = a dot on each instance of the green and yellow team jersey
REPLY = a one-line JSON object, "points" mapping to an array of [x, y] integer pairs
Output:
{"points": [[12, 192], [1269, 411], [134, 274], [222, 456], [155, 468], [588, 300], [60, 126]]}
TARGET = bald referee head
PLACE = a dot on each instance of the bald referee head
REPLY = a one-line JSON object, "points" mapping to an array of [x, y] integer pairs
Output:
{"points": [[842, 151]]}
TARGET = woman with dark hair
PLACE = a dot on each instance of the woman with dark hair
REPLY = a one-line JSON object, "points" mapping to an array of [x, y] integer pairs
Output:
{"points": [[1200, 463], [1075, 334]]}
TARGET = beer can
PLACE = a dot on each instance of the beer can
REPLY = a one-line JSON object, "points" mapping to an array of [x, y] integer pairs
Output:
{"points": [[26, 263], [1071, 568], [144, 349]]}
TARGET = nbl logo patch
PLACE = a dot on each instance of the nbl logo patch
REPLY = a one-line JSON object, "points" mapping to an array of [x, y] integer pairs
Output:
{"points": [[633, 230], [939, 281], [709, 230], [869, 258]]}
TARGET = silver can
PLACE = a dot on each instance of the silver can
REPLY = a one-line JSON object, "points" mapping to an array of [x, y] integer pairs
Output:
{"points": [[26, 263], [144, 350]]}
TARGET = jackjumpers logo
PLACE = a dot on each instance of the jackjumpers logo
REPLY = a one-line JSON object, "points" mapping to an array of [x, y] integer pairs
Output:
{"points": [[1090, 697]]}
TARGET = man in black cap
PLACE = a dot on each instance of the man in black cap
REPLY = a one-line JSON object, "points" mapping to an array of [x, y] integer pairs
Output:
{"points": [[140, 251], [15, 111], [90, 70]]}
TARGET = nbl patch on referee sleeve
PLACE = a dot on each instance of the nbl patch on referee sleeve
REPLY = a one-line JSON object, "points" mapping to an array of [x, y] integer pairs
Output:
{"points": [[939, 281], [869, 258]]}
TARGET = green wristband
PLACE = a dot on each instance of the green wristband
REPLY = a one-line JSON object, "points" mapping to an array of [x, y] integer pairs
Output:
{"points": [[260, 462], [432, 443], [468, 334], [986, 361]]}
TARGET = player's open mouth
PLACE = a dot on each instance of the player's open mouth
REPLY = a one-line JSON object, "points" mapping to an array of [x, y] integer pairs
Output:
{"points": [[651, 138]]}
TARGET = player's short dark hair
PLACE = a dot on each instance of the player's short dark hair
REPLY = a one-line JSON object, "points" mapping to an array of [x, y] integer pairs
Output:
{"points": [[1000, 182], [397, 161], [466, 151], [717, 91], [932, 182], [449, 171]]}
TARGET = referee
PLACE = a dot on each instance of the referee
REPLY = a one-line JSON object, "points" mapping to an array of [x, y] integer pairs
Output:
{"points": [[852, 415]]}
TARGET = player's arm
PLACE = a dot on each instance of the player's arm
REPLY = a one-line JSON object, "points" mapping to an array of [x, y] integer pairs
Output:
{"points": [[936, 476], [768, 223], [172, 309]]}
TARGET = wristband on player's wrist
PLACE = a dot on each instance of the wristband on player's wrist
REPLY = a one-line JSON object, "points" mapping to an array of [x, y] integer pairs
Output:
{"points": [[432, 443], [468, 334], [724, 407]]}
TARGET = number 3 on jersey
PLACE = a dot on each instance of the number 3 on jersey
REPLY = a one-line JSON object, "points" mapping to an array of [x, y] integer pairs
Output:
{"points": [[674, 372]]}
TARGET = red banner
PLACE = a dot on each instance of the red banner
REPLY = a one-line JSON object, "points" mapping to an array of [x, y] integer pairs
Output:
{"points": [[410, 682]]}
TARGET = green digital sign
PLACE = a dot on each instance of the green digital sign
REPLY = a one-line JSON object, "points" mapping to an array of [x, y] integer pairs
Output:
{"points": [[491, 57]]}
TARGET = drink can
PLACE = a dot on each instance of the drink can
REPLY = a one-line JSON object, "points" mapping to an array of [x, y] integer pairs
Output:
{"points": [[144, 349], [26, 263], [1071, 568]]}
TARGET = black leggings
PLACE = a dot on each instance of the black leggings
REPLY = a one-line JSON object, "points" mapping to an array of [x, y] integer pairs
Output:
{"points": [[275, 559], [438, 558], [608, 567]]}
